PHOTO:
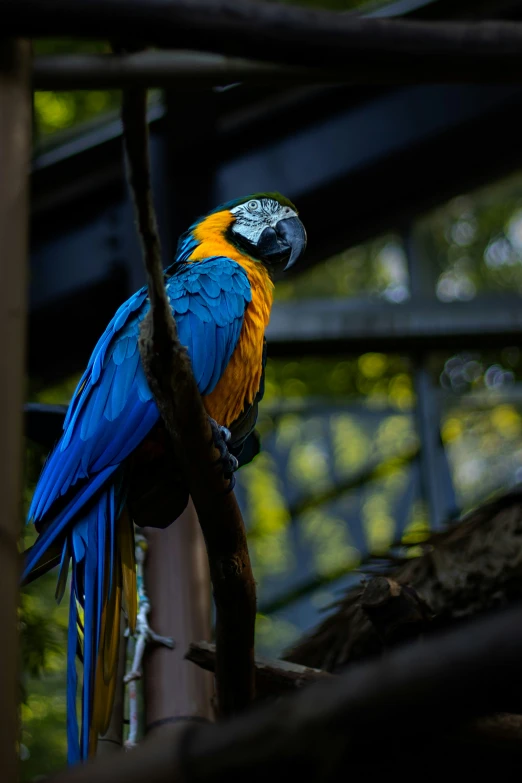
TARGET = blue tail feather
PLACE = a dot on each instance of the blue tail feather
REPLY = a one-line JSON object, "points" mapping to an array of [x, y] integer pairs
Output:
{"points": [[64, 517], [90, 606], [91, 585], [73, 744], [91, 544]]}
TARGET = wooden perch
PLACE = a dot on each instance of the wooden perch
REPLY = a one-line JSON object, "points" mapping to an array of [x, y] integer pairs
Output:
{"points": [[408, 702], [368, 50], [473, 566], [166, 69], [273, 678], [169, 373]]}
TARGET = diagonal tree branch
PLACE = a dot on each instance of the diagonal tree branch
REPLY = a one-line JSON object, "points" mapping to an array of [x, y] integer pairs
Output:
{"points": [[169, 373]]}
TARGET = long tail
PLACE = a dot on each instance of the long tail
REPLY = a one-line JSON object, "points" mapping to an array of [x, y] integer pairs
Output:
{"points": [[100, 546]]}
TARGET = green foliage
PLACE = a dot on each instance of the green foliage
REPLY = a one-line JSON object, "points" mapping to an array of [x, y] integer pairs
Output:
{"points": [[324, 423], [59, 111], [379, 379], [43, 626], [475, 242], [40, 640], [377, 269], [43, 650]]}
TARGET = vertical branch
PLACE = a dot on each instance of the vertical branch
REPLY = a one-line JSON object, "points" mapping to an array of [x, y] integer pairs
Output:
{"points": [[170, 377], [15, 138]]}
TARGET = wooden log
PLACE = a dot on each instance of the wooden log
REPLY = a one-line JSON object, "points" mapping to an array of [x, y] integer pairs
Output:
{"points": [[15, 144], [383, 51], [166, 70], [470, 568], [414, 702]]}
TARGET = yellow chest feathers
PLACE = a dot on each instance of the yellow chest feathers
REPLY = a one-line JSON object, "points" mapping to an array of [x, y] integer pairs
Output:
{"points": [[240, 382]]}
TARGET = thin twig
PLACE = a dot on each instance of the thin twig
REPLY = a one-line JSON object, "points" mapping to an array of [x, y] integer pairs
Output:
{"points": [[169, 373]]}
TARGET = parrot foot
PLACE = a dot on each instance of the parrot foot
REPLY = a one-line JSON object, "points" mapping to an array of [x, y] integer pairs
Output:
{"points": [[220, 437]]}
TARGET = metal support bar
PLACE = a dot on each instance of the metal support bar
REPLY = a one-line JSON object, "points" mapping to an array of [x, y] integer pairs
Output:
{"points": [[428, 423], [340, 325], [432, 456]]}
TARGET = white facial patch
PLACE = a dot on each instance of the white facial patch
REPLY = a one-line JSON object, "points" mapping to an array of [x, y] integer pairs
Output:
{"points": [[254, 216]]}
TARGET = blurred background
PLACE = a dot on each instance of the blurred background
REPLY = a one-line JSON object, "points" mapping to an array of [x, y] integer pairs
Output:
{"points": [[394, 383]]}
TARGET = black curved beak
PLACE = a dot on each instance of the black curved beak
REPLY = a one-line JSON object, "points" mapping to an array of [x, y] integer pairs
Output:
{"points": [[285, 242], [292, 232]]}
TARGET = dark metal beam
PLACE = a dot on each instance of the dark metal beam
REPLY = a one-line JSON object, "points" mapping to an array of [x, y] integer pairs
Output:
{"points": [[342, 326]]}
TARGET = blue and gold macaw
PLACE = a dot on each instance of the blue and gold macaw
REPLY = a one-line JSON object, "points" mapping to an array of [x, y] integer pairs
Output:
{"points": [[113, 460]]}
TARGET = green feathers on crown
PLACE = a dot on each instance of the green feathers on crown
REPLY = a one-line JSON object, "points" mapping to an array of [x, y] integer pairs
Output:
{"points": [[285, 202]]}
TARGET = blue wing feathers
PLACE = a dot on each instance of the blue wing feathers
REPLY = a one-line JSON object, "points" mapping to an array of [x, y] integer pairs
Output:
{"points": [[222, 349], [182, 304], [113, 409], [63, 519]]}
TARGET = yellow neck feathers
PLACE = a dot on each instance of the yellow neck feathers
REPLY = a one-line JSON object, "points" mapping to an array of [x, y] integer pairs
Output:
{"points": [[240, 382]]}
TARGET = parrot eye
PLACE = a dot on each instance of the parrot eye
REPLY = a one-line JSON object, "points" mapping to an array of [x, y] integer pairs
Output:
{"points": [[252, 206]]}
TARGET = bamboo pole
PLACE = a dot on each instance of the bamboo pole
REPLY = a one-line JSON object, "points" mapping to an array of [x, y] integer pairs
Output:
{"points": [[15, 137]]}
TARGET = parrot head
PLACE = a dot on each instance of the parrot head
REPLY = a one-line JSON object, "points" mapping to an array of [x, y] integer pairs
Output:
{"points": [[264, 226], [267, 228]]}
